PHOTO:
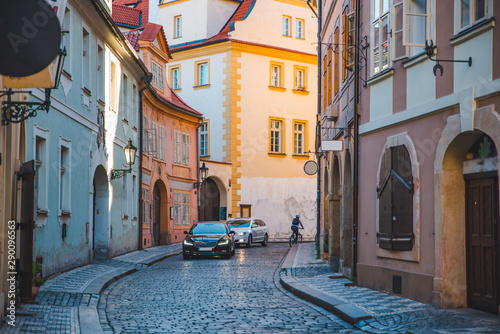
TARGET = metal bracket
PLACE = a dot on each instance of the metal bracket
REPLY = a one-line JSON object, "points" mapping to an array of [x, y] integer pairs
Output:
{"points": [[430, 50], [18, 111]]}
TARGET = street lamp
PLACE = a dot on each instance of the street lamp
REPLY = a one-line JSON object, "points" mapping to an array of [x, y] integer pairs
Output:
{"points": [[129, 151], [18, 111], [203, 175]]}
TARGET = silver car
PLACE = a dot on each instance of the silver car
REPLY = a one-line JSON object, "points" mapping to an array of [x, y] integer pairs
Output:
{"points": [[248, 231]]}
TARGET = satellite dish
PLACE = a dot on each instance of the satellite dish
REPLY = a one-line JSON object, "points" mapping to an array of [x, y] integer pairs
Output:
{"points": [[30, 37]]}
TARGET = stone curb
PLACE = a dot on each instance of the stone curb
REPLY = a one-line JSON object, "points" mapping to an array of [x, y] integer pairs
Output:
{"points": [[88, 316], [347, 312]]}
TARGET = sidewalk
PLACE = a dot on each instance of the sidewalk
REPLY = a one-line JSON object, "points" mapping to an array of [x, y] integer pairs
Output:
{"points": [[372, 311], [68, 302]]}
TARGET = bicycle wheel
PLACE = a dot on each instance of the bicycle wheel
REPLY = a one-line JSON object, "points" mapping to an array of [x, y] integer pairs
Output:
{"points": [[291, 241], [299, 239]]}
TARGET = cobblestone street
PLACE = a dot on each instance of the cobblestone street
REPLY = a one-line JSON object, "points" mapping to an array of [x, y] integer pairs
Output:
{"points": [[241, 295]]}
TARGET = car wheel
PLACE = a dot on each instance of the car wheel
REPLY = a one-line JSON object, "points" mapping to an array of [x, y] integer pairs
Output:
{"points": [[249, 243], [186, 256], [264, 242]]}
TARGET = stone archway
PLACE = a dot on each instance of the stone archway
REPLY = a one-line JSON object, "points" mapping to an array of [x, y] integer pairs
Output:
{"points": [[100, 224], [209, 201], [450, 281]]}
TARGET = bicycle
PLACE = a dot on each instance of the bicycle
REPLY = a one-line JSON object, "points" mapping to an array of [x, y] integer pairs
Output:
{"points": [[292, 238]]}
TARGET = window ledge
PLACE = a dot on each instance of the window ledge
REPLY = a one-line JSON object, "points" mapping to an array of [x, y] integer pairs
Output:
{"points": [[279, 89], [381, 76], [42, 212], [101, 102], [300, 91], [125, 217], [300, 156], [125, 121], [415, 60], [473, 31], [134, 219], [65, 213], [277, 155], [201, 86], [87, 91], [177, 90], [67, 75]]}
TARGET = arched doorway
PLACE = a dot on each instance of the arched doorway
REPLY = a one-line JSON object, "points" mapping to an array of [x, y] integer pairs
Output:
{"points": [[160, 233], [347, 195], [209, 201], [466, 173], [100, 224]]}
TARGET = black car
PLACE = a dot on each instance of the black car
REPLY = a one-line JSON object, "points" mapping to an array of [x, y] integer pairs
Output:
{"points": [[210, 238]]}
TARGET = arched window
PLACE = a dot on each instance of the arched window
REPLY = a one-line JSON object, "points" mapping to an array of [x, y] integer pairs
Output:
{"points": [[395, 193]]}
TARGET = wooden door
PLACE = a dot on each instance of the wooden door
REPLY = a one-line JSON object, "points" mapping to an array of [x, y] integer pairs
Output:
{"points": [[28, 204], [156, 213], [483, 282], [209, 201]]}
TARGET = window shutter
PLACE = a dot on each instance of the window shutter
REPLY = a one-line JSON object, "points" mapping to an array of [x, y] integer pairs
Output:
{"points": [[398, 49], [402, 208], [385, 212]]}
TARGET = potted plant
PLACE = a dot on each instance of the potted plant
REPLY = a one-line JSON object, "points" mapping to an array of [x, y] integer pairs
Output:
{"points": [[325, 244], [37, 278]]}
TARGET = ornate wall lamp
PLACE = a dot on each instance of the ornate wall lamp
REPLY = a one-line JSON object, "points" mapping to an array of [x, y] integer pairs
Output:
{"points": [[18, 111], [202, 176], [129, 151]]}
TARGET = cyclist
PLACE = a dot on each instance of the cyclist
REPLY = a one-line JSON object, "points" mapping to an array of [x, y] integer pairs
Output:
{"points": [[295, 226]]}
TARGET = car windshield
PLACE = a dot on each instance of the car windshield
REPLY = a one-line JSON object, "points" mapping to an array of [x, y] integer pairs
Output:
{"points": [[215, 228], [239, 223]]}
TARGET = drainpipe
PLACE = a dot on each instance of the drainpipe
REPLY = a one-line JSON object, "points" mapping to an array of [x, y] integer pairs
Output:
{"points": [[318, 135], [147, 81], [356, 145], [198, 166]]}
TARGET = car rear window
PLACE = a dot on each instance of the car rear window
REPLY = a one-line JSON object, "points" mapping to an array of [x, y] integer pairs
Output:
{"points": [[239, 223]]}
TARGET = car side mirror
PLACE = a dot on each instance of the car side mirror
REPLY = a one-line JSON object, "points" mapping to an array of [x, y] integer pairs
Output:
{"points": [[231, 232], [254, 225], [186, 232]]}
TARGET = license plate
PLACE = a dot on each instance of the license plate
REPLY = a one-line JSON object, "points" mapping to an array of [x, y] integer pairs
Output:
{"points": [[205, 249]]}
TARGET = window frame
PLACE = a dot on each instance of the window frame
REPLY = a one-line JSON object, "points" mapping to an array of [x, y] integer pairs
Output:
{"points": [[178, 26], [286, 26], [299, 28], [173, 77], [186, 209], [205, 131], [296, 70], [408, 26], [383, 14], [64, 202], [281, 136], [336, 62], [281, 79], [303, 132], [177, 151], [198, 74], [185, 149], [41, 169], [86, 61], [472, 12]]}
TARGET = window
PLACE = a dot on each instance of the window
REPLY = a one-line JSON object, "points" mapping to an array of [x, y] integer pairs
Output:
{"points": [[161, 142], [155, 133], [276, 136], [299, 28], [185, 209], [41, 168], [125, 197], [112, 86], [202, 77], [124, 97], [299, 137], [100, 73], [287, 31], [416, 23], [325, 80], [86, 58], [300, 80], [204, 139], [472, 11], [134, 201], [175, 78], [145, 144], [348, 51], [185, 149], [178, 26], [276, 75], [336, 63], [145, 206], [177, 147], [64, 177], [157, 75], [177, 208], [135, 114], [395, 193], [380, 36]]}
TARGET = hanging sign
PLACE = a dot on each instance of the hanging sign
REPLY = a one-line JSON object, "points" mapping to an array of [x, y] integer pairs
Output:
{"points": [[332, 145], [311, 167]]}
